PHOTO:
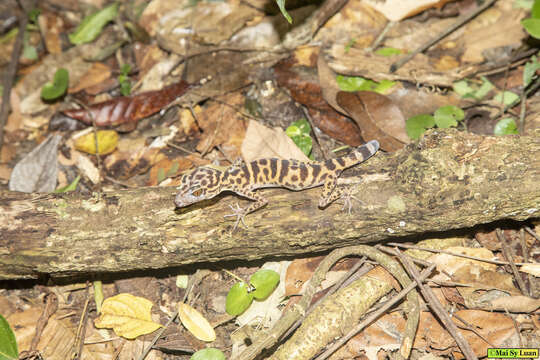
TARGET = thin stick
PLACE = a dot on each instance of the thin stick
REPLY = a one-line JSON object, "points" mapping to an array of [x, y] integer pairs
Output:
{"points": [[496, 262], [10, 75], [438, 309], [510, 258], [461, 21]]}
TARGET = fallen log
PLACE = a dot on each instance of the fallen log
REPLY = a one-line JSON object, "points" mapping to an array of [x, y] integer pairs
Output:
{"points": [[448, 180]]}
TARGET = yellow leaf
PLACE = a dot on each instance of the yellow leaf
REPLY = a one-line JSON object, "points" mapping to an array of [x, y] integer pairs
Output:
{"points": [[196, 323], [107, 141], [129, 316]]}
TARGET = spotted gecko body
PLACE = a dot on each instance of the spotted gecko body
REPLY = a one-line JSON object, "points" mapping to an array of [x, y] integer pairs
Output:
{"points": [[206, 182]]}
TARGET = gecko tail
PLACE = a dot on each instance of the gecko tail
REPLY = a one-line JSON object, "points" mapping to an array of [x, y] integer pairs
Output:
{"points": [[358, 155]]}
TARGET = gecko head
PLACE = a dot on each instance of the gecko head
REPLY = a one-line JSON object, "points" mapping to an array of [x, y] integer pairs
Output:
{"points": [[200, 184]]}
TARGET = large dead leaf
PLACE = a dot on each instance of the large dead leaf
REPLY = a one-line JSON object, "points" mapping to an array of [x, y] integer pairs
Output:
{"points": [[37, 171], [377, 116], [396, 10], [299, 75], [262, 142], [129, 316]]}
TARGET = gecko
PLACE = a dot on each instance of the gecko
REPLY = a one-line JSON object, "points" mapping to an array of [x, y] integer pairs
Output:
{"points": [[206, 182]]}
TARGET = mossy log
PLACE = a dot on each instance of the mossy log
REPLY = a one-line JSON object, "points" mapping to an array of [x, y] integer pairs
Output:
{"points": [[447, 180]]}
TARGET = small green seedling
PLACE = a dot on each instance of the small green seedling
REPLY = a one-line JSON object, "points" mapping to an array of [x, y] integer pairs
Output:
{"points": [[123, 79], [241, 295], [444, 117], [506, 126], [532, 24], [281, 5], [299, 131], [55, 89]]}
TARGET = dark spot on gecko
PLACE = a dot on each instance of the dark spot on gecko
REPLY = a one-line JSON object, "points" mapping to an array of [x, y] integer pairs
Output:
{"points": [[340, 161], [262, 162], [273, 167], [265, 172], [303, 173], [365, 152], [294, 178], [238, 180], [316, 171], [284, 170], [255, 170], [330, 165], [234, 172]]}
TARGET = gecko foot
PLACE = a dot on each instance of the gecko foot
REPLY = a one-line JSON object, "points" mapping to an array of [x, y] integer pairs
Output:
{"points": [[348, 198], [239, 213]]}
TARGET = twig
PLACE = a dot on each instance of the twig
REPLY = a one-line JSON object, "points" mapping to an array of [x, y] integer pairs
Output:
{"points": [[535, 86], [532, 233], [461, 21], [310, 120], [381, 36], [158, 335], [436, 306], [510, 258], [10, 74], [496, 262], [525, 252], [81, 329], [339, 343]]}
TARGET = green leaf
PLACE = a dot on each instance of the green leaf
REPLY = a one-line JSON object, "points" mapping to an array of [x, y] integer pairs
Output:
{"points": [[506, 126], [238, 299], [69, 187], [529, 71], [265, 281], [358, 83], [299, 131], [8, 344], [384, 86], [208, 354], [91, 26], [388, 51], [448, 116], [417, 125], [281, 4], [173, 169], [354, 83], [523, 4], [535, 11], [462, 88], [484, 89], [56, 88], [532, 26], [506, 97]]}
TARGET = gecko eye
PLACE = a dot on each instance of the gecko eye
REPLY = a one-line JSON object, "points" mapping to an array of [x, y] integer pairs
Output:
{"points": [[197, 192]]}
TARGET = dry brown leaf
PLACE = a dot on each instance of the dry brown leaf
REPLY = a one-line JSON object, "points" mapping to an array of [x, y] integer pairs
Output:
{"points": [[196, 323], [533, 269], [129, 316], [451, 264], [519, 303], [377, 116], [97, 74], [396, 10], [479, 35], [261, 142], [223, 126]]}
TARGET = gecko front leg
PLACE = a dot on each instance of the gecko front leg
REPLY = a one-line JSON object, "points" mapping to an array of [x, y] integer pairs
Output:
{"points": [[241, 213]]}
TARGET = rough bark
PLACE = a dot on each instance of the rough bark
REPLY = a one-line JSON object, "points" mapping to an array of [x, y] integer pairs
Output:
{"points": [[448, 180]]}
